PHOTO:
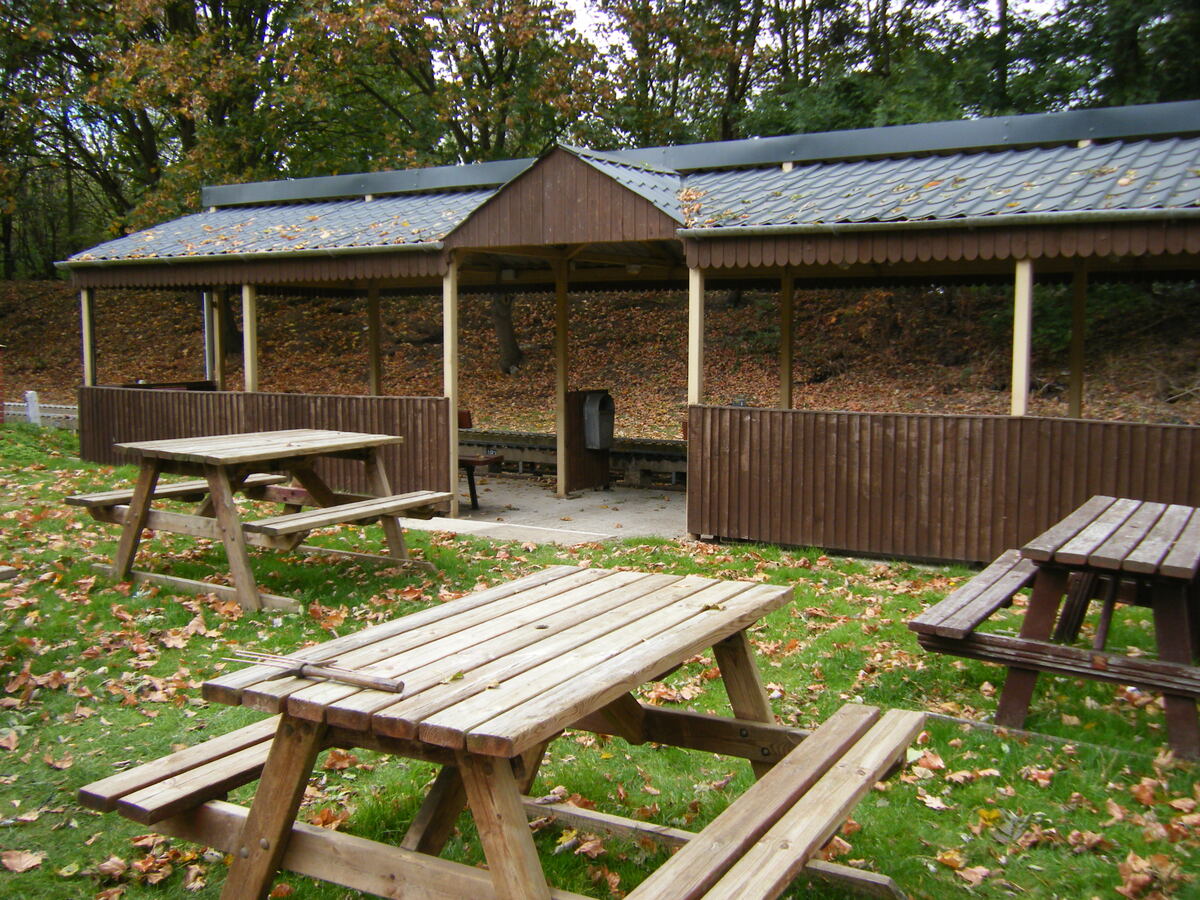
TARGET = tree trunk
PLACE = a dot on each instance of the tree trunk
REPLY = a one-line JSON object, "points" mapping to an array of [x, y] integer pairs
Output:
{"points": [[509, 352]]}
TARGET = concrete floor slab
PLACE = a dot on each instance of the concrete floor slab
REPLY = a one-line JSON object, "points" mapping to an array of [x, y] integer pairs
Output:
{"points": [[525, 509]]}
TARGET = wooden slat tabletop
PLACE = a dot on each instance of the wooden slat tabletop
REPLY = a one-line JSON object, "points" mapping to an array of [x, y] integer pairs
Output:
{"points": [[1124, 535], [255, 446], [497, 671]]}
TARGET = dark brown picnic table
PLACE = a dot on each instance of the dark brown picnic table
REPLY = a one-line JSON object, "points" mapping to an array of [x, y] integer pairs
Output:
{"points": [[257, 464], [482, 685], [1108, 551]]}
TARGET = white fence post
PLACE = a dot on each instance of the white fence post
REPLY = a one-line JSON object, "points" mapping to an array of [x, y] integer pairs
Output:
{"points": [[33, 409]]}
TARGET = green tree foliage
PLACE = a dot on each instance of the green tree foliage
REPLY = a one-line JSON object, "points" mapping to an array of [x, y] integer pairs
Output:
{"points": [[409, 82]]}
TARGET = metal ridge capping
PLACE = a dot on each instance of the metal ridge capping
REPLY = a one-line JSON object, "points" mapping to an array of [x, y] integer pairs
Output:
{"points": [[330, 187]]}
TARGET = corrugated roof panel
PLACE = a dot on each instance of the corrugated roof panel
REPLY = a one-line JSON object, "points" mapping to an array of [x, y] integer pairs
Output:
{"points": [[330, 225], [1139, 175]]}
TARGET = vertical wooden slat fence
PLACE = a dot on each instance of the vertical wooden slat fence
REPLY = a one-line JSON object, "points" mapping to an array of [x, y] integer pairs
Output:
{"points": [[110, 415], [919, 486]]}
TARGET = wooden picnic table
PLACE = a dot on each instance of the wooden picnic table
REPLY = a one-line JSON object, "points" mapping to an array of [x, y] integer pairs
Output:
{"points": [[1108, 550], [257, 464], [481, 686]]}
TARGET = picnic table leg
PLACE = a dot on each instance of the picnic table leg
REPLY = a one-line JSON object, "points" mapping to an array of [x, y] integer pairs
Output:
{"points": [[434, 822], [135, 517], [495, 800], [229, 524], [1174, 630], [747, 696], [1048, 590], [377, 479], [268, 826]]}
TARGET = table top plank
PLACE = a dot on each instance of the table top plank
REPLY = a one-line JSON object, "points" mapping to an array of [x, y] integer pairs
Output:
{"points": [[250, 447], [1146, 557], [1043, 547], [476, 671], [551, 711], [385, 657], [459, 636], [600, 639], [1112, 553], [459, 665], [1077, 549], [228, 688], [1183, 559]]}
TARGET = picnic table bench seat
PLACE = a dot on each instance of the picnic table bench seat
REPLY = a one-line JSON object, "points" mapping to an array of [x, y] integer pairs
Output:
{"points": [[180, 490], [974, 602], [356, 511], [760, 843], [183, 780]]}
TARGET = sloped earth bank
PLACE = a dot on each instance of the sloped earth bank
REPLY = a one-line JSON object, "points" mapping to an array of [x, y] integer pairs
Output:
{"points": [[909, 350]]}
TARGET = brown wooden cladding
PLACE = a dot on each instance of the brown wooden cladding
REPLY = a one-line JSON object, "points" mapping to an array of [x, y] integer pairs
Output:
{"points": [[920, 486], [562, 200], [914, 245], [185, 272], [110, 415]]}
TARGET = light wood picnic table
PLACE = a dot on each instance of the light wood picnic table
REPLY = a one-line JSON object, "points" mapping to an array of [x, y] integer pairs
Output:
{"points": [[488, 681], [255, 463], [1109, 550]]}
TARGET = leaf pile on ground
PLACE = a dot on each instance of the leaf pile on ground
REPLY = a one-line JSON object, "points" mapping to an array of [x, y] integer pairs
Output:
{"points": [[97, 675], [943, 350]]}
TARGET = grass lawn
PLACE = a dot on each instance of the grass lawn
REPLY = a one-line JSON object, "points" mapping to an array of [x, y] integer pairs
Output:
{"points": [[95, 675]]}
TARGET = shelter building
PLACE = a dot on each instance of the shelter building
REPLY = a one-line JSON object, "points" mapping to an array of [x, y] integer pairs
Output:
{"points": [[1078, 196]]}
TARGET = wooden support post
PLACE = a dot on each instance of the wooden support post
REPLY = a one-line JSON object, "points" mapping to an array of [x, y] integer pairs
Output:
{"points": [[495, 800], [1047, 595], [747, 696], [1175, 634], [208, 325], [135, 518], [1079, 287], [268, 827], [1022, 336], [450, 370], [87, 329], [786, 339], [374, 360], [221, 327], [695, 390], [561, 325], [229, 525], [249, 337]]}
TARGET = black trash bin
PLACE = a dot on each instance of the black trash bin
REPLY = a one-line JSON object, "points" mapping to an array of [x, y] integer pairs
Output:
{"points": [[598, 413], [589, 438]]}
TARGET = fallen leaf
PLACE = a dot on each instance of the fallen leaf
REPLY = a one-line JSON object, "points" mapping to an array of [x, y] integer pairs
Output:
{"points": [[974, 875], [21, 860]]}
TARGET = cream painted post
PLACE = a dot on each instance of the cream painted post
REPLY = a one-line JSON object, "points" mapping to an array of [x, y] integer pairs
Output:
{"points": [[374, 361], [450, 368], [695, 392], [217, 298], [87, 330], [1079, 286], [208, 323], [561, 324], [786, 335], [249, 337], [1022, 335]]}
